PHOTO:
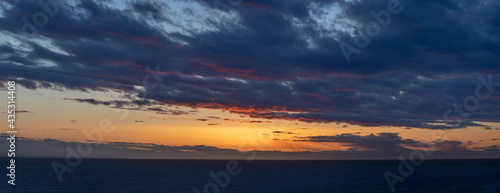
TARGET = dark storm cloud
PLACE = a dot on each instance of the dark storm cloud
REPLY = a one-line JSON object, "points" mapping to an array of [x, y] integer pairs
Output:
{"points": [[265, 56]]}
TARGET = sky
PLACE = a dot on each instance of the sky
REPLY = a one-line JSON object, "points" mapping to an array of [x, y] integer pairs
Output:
{"points": [[217, 79]]}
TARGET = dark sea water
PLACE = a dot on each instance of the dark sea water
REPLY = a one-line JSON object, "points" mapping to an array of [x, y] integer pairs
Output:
{"points": [[94, 175]]}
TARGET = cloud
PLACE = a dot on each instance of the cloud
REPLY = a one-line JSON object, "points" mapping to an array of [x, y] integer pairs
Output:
{"points": [[388, 142], [449, 145], [66, 129], [285, 132], [379, 142], [116, 103], [492, 148], [233, 120], [53, 148], [20, 111], [265, 56], [140, 105]]}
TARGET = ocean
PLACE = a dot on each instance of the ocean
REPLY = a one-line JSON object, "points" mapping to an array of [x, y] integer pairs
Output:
{"points": [[172, 176]]}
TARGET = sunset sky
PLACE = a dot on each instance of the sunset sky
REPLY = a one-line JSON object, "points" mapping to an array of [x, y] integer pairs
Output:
{"points": [[201, 79]]}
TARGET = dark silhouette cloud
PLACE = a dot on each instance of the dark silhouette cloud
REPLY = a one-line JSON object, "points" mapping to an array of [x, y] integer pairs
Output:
{"points": [[285, 132], [66, 129], [141, 105], [380, 142], [57, 149]]}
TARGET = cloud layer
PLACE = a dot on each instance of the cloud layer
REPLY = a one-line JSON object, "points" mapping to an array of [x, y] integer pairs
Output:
{"points": [[380, 146], [267, 59]]}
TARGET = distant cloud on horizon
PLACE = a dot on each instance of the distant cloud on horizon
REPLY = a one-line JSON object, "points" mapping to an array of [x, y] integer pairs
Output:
{"points": [[52, 148]]}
